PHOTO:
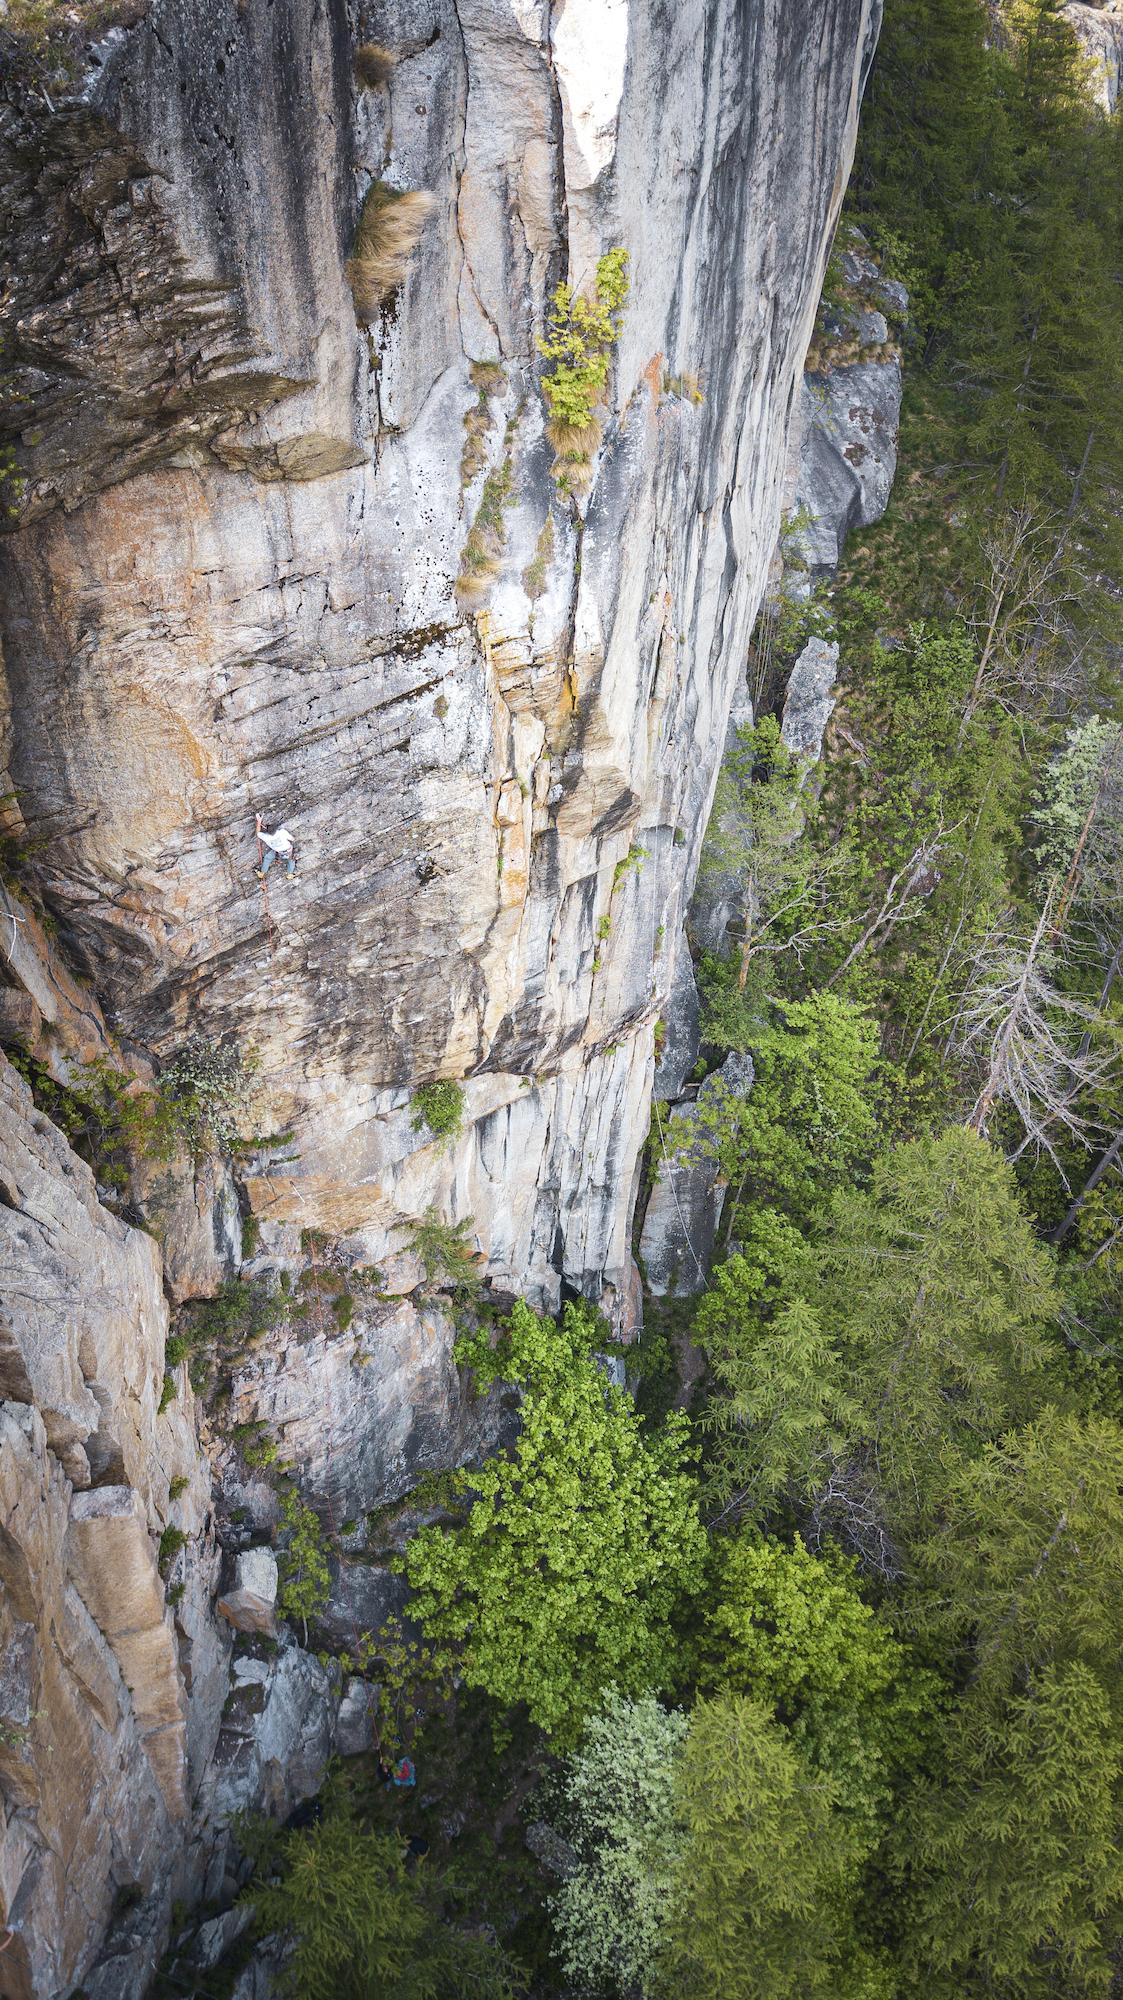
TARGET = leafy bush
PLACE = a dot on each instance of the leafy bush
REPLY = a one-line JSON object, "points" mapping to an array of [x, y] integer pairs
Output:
{"points": [[207, 1092], [172, 1540], [617, 1812], [258, 1450], [237, 1315], [581, 333], [581, 1542], [440, 1106]]}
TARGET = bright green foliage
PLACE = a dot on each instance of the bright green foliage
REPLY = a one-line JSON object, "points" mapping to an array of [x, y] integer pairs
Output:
{"points": [[440, 1106], [172, 1540], [110, 1119], [757, 1911], [807, 1124], [790, 1628], [1020, 1889], [618, 1814], [580, 1544], [304, 1579], [113, 1120], [581, 334], [363, 1924]]}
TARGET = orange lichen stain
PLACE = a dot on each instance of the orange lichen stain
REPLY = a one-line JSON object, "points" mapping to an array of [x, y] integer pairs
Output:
{"points": [[653, 376]]}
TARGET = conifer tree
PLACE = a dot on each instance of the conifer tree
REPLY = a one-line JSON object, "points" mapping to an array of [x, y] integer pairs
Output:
{"points": [[1019, 1878], [758, 1907]]}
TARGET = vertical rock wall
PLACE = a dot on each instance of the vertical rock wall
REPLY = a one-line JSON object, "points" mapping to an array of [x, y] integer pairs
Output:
{"points": [[100, 1749], [233, 589]]}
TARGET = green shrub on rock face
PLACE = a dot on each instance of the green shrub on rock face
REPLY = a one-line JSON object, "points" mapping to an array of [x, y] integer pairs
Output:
{"points": [[440, 1106], [581, 1542], [581, 335]]}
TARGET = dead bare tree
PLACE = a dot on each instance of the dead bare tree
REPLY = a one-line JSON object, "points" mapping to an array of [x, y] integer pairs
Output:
{"points": [[1108, 1159], [1029, 653], [905, 895], [1024, 1036]]}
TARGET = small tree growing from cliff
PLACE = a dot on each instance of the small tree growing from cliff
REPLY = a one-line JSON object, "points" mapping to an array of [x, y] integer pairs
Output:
{"points": [[302, 1565]]}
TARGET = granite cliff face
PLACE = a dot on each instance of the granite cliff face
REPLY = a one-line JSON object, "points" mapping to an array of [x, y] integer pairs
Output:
{"points": [[234, 588], [231, 589]]}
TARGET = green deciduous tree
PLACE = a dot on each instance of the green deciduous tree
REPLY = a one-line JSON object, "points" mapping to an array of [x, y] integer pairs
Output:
{"points": [[618, 1811], [792, 1629], [580, 1542]]}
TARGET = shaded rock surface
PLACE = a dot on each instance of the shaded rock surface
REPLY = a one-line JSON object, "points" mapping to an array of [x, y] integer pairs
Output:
{"points": [[809, 698], [94, 1682], [250, 1602], [684, 1207], [1099, 24], [844, 442]]}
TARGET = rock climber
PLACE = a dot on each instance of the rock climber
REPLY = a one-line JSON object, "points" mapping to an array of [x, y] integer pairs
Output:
{"points": [[279, 842]]}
